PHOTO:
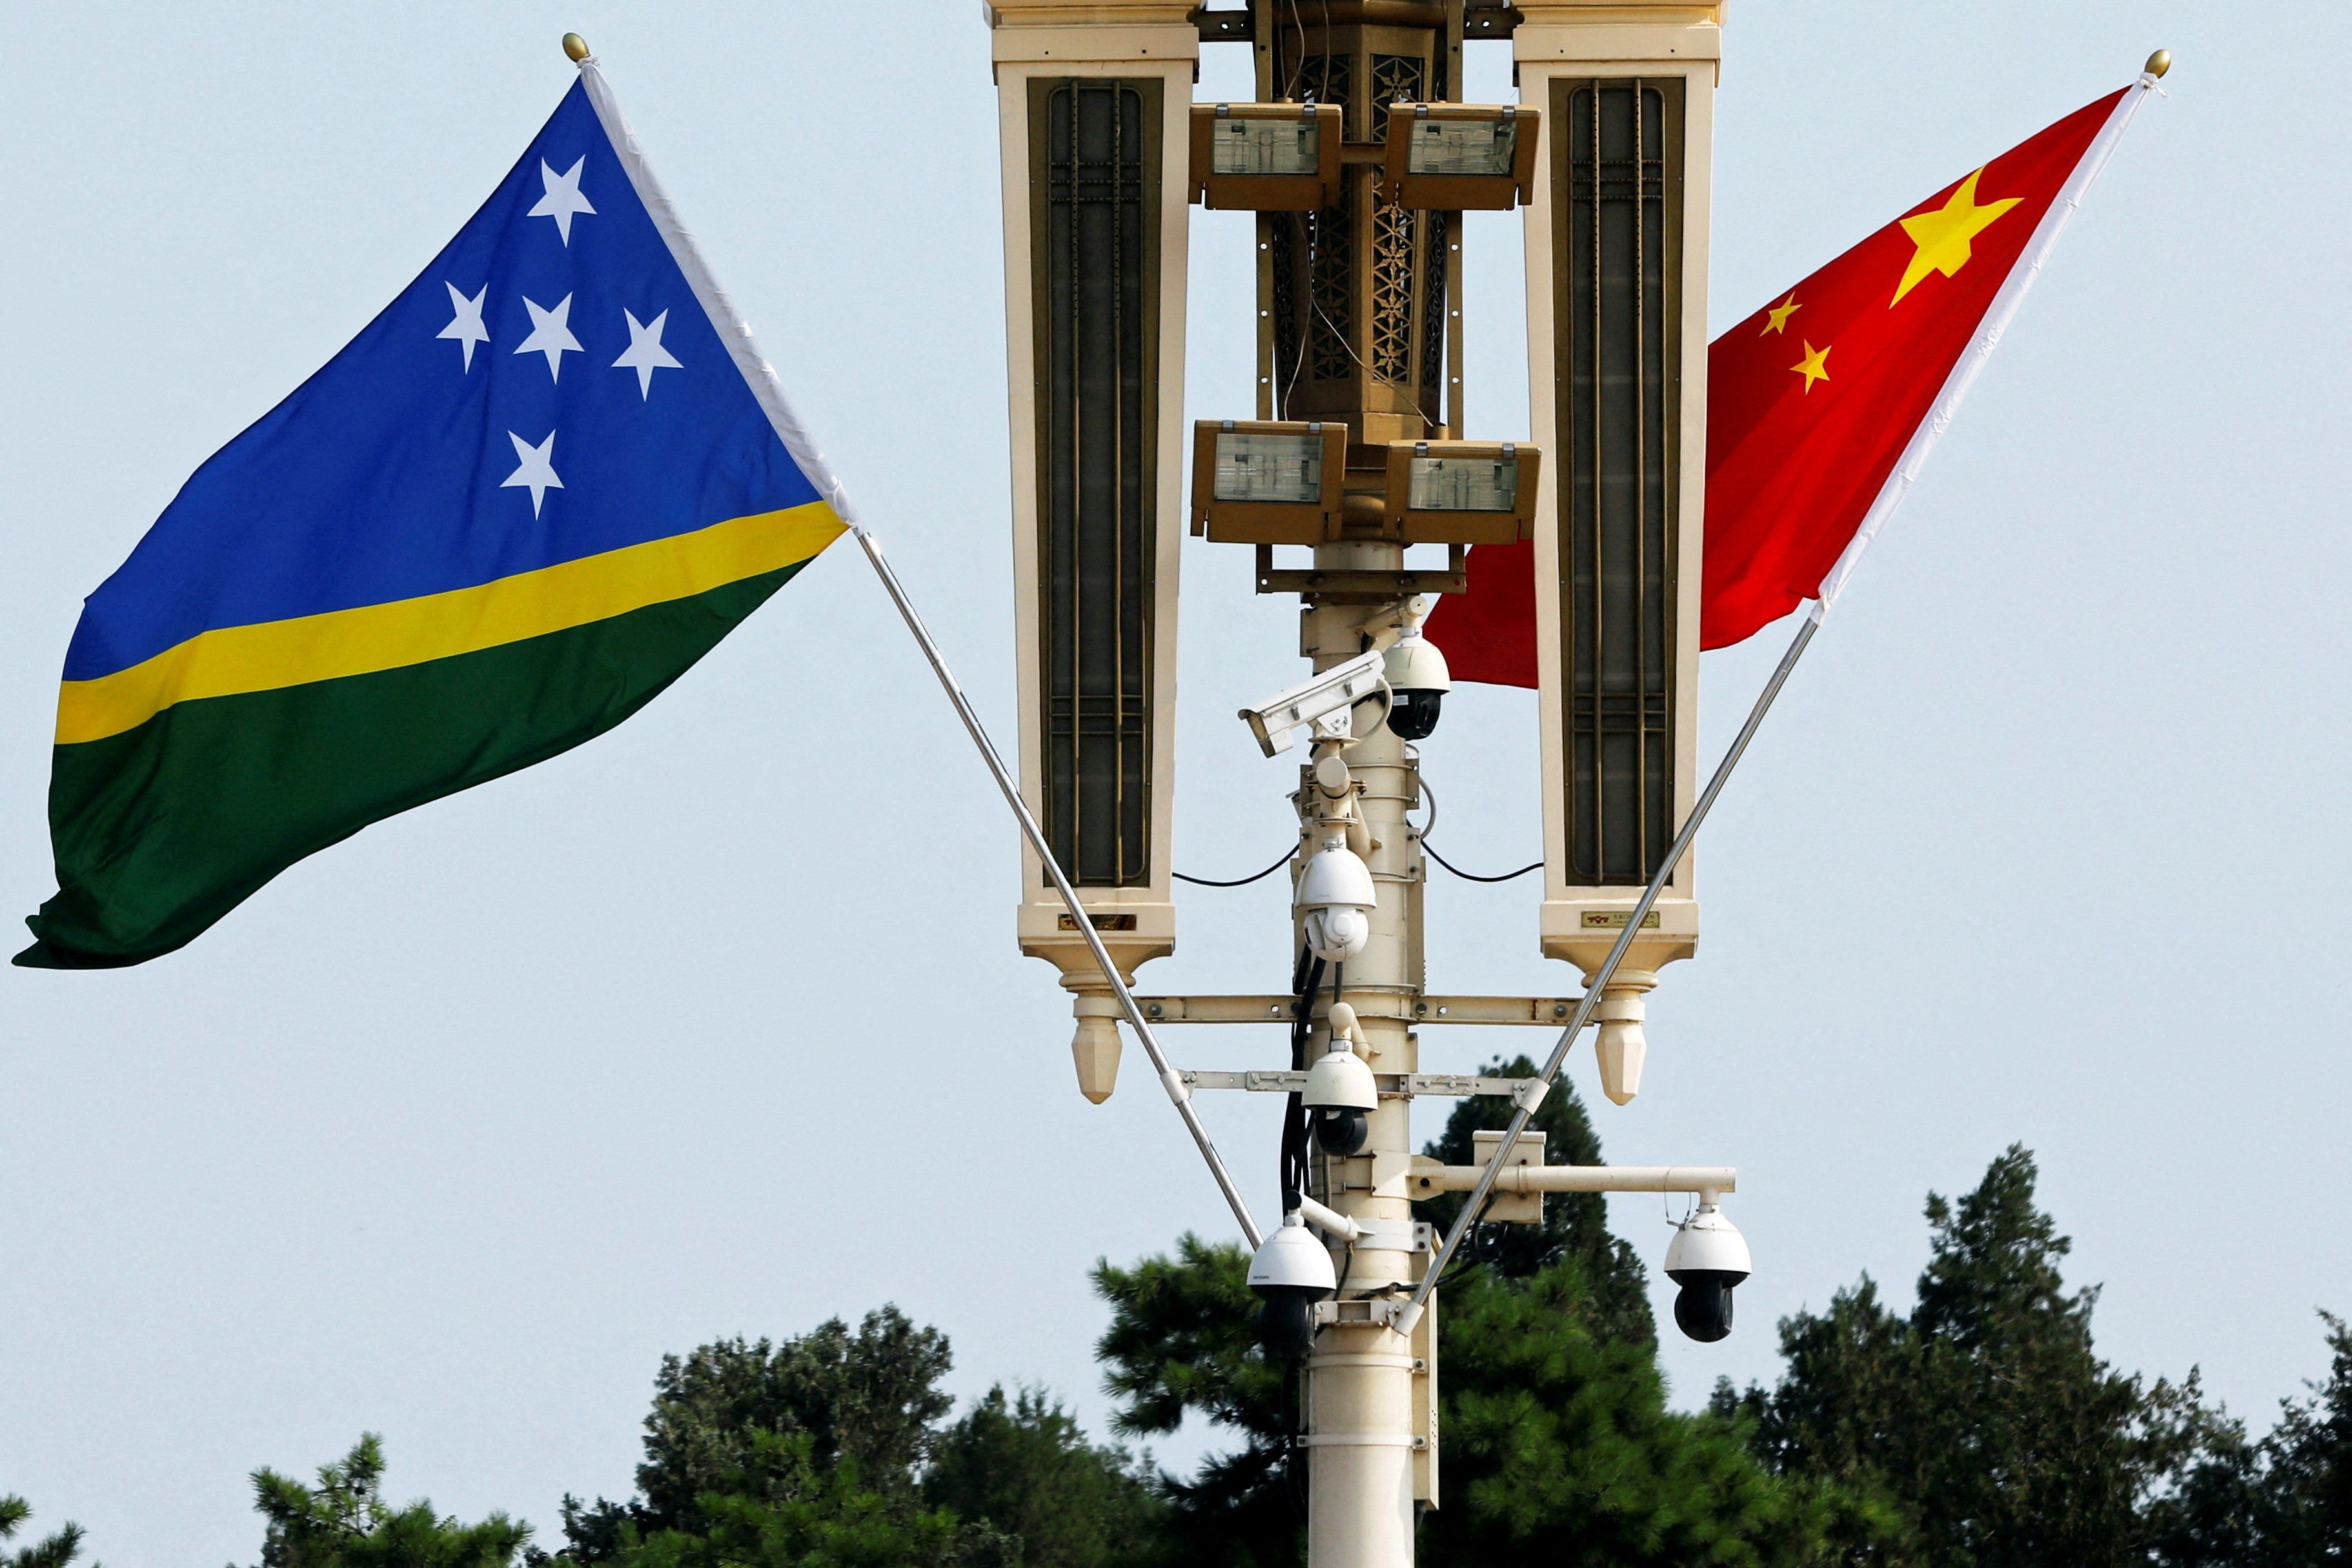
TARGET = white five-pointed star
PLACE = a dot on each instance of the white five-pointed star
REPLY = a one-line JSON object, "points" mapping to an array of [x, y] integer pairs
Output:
{"points": [[646, 354], [551, 334], [562, 198], [535, 467], [467, 325]]}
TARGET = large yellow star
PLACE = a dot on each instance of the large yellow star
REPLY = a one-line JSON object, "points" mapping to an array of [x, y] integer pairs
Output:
{"points": [[1814, 367], [1943, 234], [1780, 314]]}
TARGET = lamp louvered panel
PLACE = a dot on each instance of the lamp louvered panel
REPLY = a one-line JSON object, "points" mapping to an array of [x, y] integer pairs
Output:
{"points": [[1618, 239], [1097, 168]]}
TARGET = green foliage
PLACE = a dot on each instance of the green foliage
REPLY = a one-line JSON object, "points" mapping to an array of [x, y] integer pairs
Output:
{"points": [[1023, 1467], [825, 1518], [1183, 1341], [2284, 1502], [1616, 1299], [1984, 1419], [866, 1399], [344, 1522], [828, 1451], [2306, 1461], [1558, 1442], [54, 1551]]}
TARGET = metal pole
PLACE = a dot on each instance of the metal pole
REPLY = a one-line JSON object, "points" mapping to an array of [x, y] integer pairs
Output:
{"points": [[1411, 1312], [1359, 1382], [1178, 1093]]}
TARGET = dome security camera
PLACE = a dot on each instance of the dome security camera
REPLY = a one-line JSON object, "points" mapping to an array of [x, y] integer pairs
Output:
{"points": [[1335, 901], [1416, 674], [1340, 1095], [1290, 1271], [1707, 1257]]}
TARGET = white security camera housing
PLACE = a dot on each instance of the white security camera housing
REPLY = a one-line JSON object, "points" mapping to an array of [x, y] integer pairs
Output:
{"points": [[1320, 700], [1340, 1081], [1707, 1257], [1416, 671], [1290, 1271], [1335, 902], [1339, 1097]]}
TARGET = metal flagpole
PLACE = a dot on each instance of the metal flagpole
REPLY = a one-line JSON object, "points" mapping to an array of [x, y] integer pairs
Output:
{"points": [[1988, 337], [1178, 1095], [1411, 1312], [761, 376]]}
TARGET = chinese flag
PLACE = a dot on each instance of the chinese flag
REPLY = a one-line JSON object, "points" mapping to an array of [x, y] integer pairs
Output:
{"points": [[1813, 402]]}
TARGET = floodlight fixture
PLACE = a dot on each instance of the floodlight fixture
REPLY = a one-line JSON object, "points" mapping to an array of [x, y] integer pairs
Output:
{"points": [[1461, 157], [1272, 482], [1462, 492], [1266, 157]]}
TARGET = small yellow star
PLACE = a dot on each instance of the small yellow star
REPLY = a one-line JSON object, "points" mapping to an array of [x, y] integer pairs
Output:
{"points": [[1814, 367], [1943, 234], [1780, 314]]}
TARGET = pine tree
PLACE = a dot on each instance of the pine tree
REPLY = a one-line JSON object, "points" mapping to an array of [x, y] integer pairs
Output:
{"points": [[867, 1400], [1984, 1419], [828, 1451], [344, 1522], [830, 1521], [1182, 1341], [54, 1551], [2283, 1502], [1023, 1466], [2307, 1488]]}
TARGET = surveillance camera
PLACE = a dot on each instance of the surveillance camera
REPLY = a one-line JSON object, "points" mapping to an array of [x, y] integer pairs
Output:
{"points": [[1707, 1257], [1416, 673], [1335, 902], [1290, 1272], [1322, 700], [1340, 1095]]}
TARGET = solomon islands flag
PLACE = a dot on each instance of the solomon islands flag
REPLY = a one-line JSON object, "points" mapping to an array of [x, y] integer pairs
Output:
{"points": [[540, 486]]}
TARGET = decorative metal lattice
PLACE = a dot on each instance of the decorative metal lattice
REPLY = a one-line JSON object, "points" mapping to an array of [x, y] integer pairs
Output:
{"points": [[1395, 79], [1328, 291], [1396, 232], [1286, 234], [1433, 324], [1325, 79], [1329, 238]]}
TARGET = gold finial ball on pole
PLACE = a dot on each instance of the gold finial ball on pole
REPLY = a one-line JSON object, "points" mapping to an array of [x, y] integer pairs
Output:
{"points": [[576, 49], [2159, 62]]}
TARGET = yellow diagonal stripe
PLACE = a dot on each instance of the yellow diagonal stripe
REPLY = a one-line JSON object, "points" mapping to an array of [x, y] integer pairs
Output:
{"points": [[271, 654]]}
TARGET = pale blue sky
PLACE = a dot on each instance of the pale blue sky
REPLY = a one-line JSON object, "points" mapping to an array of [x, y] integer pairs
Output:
{"points": [[716, 1026]]}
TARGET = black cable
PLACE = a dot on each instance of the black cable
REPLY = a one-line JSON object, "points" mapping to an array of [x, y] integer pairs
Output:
{"points": [[1431, 825], [1472, 876], [1306, 980], [1241, 881]]}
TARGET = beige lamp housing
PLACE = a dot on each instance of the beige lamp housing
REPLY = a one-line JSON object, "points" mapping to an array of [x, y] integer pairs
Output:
{"points": [[1094, 110], [1266, 157], [1616, 269], [1462, 492], [1462, 157], [1268, 481]]}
